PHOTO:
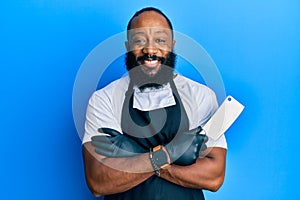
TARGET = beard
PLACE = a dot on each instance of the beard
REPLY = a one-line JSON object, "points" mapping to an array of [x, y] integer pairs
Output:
{"points": [[141, 79]]}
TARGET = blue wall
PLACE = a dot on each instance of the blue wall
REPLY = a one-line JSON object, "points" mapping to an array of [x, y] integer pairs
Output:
{"points": [[255, 44]]}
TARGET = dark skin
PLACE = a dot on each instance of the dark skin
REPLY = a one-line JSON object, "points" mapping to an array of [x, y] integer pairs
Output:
{"points": [[104, 176]]}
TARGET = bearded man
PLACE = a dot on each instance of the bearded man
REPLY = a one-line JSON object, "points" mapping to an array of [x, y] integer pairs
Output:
{"points": [[143, 136]]}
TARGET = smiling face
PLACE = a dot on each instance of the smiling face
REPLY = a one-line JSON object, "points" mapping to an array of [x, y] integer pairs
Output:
{"points": [[150, 41]]}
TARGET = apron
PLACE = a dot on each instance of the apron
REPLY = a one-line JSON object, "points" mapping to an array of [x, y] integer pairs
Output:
{"points": [[149, 129]]}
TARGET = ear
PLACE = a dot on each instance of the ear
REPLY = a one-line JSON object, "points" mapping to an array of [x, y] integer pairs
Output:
{"points": [[127, 46], [173, 44]]}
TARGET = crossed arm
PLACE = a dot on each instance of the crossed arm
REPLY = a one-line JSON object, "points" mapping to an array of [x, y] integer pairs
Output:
{"points": [[114, 175]]}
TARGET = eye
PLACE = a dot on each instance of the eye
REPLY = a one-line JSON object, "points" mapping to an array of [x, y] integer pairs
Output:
{"points": [[139, 41], [160, 41]]}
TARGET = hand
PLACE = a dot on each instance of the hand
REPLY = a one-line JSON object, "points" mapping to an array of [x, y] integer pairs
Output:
{"points": [[185, 147], [116, 145]]}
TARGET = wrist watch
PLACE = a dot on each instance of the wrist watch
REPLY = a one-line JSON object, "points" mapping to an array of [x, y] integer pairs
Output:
{"points": [[160, 157]]}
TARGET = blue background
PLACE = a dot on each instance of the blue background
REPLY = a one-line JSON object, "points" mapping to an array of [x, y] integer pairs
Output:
{"points": [[255, 44]]}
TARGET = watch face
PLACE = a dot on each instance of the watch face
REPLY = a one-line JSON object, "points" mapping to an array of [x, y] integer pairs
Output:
{"points": [[160, 158]]}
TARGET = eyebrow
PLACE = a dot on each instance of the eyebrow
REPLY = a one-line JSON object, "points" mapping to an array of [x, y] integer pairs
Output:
{"points": [[155, 31], [138, 33], [161, 31]]}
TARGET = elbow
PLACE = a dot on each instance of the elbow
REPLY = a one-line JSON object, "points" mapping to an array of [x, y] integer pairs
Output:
{"points": [[215, 184], [94, 187], [92, 171]]}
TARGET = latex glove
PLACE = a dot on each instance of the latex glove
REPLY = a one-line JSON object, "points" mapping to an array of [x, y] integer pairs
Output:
{"points": [[116, 145], [184, 149]]}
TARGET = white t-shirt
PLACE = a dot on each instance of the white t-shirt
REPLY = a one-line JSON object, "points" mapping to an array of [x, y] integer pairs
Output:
{"points": [[105, 107]]}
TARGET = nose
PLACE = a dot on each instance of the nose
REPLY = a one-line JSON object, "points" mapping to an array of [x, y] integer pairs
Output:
{"points": [[150, 49]]}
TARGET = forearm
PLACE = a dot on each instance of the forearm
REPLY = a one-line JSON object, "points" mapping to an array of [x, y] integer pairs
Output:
{"points": [[207, 173], [114, 175]]}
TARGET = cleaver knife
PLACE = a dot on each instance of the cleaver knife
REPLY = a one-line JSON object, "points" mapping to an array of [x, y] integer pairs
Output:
{"points": [[223, 118]]}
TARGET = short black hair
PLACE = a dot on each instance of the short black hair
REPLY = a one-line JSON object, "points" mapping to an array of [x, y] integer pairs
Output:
{"points": [[149, 9]]}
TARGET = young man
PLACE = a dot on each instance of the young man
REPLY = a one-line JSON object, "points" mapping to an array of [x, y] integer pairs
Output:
{"points": [[142, 137]]}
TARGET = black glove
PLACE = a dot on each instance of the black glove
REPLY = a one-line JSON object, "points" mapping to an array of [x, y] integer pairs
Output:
{"points": [[116, 145], [185, 147]]}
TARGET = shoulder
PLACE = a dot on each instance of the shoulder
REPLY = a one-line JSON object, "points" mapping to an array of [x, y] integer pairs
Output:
{"points": [[190, 87], [115, 88], [199, 100]]}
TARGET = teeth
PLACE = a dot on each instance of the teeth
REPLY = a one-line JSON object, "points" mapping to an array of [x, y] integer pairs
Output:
{"points": [[151, 61]]}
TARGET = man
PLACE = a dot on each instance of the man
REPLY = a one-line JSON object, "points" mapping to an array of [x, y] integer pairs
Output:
{"points": [[143, 131]]}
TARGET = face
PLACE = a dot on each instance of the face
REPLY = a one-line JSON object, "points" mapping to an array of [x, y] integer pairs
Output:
{"points": [[150, 42]]}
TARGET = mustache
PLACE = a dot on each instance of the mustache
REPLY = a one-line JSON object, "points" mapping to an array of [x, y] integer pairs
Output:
{"points": [[131, 60], [150, 57]]}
